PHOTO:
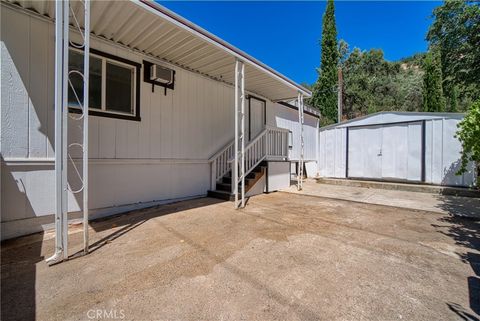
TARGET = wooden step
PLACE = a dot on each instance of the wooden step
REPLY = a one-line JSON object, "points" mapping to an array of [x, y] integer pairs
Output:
{"points": [[223, 195], [224, 188]]}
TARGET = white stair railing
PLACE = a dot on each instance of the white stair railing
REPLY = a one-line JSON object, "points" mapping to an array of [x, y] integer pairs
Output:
{"points": [[255, 151], [221, 163], [271, 143], [277, 143]]}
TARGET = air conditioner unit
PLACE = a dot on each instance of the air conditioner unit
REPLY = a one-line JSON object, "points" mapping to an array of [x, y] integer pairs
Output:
{"points": [[161, 74]]}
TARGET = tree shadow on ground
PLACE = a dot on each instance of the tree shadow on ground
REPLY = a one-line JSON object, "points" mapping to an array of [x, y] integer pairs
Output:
{"points": [[465, 231], [460, 206]]}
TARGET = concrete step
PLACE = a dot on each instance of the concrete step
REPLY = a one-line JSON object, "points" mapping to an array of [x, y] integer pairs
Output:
{"points": [[409, 187]]}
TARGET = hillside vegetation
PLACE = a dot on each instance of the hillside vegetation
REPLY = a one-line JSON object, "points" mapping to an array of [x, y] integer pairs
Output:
{"points": [[445, 78]]}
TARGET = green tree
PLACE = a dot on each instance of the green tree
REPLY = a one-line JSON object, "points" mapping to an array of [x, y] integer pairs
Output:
{"points": [[433, 99], [468, 134], [456, 33], [372, 84], [324, 96], [453, 100]]}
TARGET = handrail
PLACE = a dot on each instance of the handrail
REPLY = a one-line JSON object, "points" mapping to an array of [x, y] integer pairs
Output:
{"points": [[255, 152], [221, 151], [277, 143], [253, 141], [256, 138], [270, 142]]}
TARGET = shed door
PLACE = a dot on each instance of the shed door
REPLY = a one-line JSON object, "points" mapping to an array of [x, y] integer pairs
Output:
{"points": [[388, 152], [402, 151], [365, 152], [256, 117]]}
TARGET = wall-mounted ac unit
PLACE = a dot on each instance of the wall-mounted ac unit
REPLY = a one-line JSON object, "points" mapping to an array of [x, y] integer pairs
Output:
{"points": [[161, 74]]}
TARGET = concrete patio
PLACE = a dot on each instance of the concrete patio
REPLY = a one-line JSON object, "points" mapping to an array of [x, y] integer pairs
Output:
{"points": [[424, 201], [285, 257]]}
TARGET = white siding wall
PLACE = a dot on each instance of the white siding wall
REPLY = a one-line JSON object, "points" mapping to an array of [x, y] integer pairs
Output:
{"points": [[285, 117], [442, 154], [164, 156], [442, 150], [332, 153]]}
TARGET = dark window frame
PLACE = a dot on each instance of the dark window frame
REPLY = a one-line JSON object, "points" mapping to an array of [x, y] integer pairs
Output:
{"points": [[109, 114]]}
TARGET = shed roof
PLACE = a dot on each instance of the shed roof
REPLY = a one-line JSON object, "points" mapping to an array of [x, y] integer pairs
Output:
{"points": [[158, 32], [389, 117]]}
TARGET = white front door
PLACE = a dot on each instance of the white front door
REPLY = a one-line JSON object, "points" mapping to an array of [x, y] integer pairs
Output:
{"points": [[256, 117]]}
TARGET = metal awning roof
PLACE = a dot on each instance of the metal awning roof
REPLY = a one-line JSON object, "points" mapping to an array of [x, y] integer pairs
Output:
{"points": [[158, 32]]}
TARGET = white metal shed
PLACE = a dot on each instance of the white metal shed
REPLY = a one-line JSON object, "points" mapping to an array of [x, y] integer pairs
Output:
{"points": [[394, 146]]}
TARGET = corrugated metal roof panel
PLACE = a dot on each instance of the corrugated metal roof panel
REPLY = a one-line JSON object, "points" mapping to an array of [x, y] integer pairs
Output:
{"points": [[156, 31]]}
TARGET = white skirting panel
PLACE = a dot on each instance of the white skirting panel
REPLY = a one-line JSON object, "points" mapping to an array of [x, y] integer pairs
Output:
{"points": [[28, 200]]}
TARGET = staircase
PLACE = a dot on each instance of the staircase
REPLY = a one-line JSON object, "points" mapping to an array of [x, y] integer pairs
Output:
{"points": [[270, 144], [224, 187]]}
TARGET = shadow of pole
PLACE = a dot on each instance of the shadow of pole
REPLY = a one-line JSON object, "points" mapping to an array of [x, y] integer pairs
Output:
{"points": [[18, 301]]}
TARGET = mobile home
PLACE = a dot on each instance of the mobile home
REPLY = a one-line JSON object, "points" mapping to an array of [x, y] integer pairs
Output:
{"points": [[165, 99]]}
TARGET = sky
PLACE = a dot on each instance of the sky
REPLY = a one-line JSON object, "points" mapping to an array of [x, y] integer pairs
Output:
{"points": [[285, 34]]}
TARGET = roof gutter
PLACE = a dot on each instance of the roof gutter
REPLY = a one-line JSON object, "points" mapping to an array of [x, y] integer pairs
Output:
{"points": [[216, 41]]}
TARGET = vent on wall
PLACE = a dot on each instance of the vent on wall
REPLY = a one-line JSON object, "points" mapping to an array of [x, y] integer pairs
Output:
{"points": [[158, 75]]}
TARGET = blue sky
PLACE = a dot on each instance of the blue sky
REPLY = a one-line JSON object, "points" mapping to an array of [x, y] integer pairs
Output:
{"points": [[285, 35]]}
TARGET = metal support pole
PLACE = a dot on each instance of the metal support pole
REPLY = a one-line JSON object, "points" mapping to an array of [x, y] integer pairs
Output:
{"points": [[242, 133], [62, 84], [235, 164], [301, 156], [239, 163], [66, 16], [86, 77], [58, 133]]}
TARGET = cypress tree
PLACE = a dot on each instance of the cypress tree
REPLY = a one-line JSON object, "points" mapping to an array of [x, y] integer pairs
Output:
{"points": [[324, 96], [433, 99], [454, 100]]}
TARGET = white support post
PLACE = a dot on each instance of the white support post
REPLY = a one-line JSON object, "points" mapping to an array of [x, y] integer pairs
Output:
{"points": [[301, 156], [213, 173], [242, 132], [57, 256], [86, 77], [235, 163], [62, 83], [238, 169], [64, 107]]}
